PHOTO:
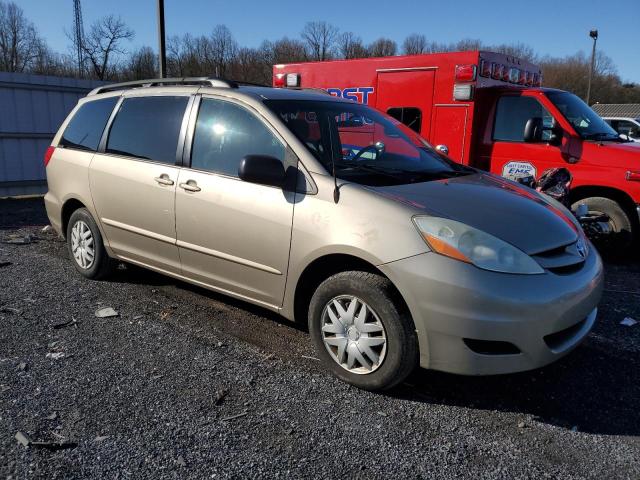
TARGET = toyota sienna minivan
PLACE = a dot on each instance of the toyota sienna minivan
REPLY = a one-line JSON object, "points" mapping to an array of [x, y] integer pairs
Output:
{"points": [[325, 211]]}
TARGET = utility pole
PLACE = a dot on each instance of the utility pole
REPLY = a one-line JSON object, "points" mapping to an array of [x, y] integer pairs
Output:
{"points": [[162, 50], [593, 34]]}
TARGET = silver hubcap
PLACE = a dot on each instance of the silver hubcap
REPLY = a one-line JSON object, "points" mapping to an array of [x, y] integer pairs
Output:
{"points": [[353, 334], [82, 245]]}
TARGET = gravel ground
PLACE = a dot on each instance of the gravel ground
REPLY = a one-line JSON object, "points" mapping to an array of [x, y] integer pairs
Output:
{"points": [[139, 394]]}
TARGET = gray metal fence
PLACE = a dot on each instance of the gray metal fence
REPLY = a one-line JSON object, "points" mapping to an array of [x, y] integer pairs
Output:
{"points": [[32, 107]]}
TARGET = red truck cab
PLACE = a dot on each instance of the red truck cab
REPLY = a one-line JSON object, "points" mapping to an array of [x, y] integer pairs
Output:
{"points": [[490, 111]]}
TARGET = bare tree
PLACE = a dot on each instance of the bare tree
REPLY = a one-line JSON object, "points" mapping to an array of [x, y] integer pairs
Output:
{"points": [[19, 40], [103, 42], [222, 49], [143, 63], [519, 50], [247, 66], [468, 44], [383, 47], [285, 50], [351, 46], [320, 38], [415, 44]]}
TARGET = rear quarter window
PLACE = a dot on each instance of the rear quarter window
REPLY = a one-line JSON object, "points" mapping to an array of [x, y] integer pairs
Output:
{"points": [[85, 128], [148, 128]]}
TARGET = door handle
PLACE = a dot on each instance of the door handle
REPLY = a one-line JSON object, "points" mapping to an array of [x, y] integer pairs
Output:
{"points": [[190, 186], [164, 179]]}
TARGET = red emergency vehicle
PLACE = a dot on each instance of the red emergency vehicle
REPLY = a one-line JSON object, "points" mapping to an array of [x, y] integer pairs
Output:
{"points": [[490, 111]]}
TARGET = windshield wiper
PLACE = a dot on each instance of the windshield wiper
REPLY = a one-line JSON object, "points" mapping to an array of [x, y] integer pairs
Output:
{"points": [[365, 167], [601, 136], [450, 173]]}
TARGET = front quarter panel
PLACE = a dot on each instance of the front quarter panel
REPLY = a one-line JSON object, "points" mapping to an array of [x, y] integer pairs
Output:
{"points": [[362, 224]]}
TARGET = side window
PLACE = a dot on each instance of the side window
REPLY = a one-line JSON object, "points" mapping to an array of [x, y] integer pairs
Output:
{"points": [[225, 133], [512, 114], [85, 128], [410, 116], [148, 128]]}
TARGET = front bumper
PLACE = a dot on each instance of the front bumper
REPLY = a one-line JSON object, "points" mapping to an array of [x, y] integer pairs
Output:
{"points": [[451, 301]]}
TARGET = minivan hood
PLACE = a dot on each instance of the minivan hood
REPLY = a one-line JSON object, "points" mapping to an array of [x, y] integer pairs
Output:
{"points": [[515, 214]]}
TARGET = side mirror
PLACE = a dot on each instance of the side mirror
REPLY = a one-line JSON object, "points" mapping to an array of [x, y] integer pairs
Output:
{"points": [[534, 129], [262, 169]]}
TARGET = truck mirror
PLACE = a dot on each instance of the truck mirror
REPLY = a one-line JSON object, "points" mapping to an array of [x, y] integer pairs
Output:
{"points": [[533, 130], [556, 135]]}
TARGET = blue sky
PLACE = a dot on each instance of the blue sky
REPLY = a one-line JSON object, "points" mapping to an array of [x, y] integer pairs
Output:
{"points": [[557, 27]]}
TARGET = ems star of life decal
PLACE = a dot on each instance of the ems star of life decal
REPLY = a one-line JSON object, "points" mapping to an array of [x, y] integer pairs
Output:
{"points": [[515, 169]]}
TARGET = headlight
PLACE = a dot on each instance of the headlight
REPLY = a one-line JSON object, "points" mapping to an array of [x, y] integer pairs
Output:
{"points": [[467, 244]]}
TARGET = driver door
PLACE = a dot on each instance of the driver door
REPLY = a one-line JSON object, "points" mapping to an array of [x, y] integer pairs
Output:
{"points": [[510, 155]]}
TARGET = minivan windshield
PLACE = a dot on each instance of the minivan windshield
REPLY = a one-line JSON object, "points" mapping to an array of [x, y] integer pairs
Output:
{"points": [[363, 145], [587, 123]]}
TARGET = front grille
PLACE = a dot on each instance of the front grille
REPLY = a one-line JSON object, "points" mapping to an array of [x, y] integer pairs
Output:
{"points": [[562, 260], [556, 340]]}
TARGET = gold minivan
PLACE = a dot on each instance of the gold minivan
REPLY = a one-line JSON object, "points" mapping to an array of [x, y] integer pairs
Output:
{"points": [[327, 212]]}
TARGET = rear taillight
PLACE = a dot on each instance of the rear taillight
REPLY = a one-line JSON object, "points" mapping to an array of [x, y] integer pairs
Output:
{"points": [[48, 154], [465, 73], [281, 80], [278, 80]]}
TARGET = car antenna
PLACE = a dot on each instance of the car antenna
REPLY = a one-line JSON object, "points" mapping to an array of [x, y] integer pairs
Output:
{"points": [[336, 187]]}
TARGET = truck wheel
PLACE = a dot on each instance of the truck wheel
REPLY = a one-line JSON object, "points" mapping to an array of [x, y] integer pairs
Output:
{"points": [[86, 247], [620, 239], [360, 331]]}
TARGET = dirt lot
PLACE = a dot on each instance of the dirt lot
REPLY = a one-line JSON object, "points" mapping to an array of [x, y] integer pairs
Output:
{"points": [[139, 394]]}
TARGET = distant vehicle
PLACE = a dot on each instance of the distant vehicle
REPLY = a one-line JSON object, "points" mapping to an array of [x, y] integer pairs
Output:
{"points": [[625, 126], [327, 212], [489, 110]]}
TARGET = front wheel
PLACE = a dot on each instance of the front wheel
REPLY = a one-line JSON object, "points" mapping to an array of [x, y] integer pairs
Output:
{"points": [[619, 239], [361, 332]]}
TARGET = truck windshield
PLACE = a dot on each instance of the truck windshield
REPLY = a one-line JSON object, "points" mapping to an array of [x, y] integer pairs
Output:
{"points": [[364, 145], [587, 123]]}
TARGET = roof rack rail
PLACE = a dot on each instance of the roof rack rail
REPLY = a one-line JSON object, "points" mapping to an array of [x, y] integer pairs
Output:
{"points": [[206, 81]]}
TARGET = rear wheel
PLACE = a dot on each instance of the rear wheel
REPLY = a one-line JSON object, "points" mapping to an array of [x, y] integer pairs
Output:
{"points": [[86, 247], [619, 240], [361, 332]]}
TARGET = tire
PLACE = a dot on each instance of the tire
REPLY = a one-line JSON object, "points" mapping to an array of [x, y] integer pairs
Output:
{"points": [[397, 356], [95, 266], [620, 241]]}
